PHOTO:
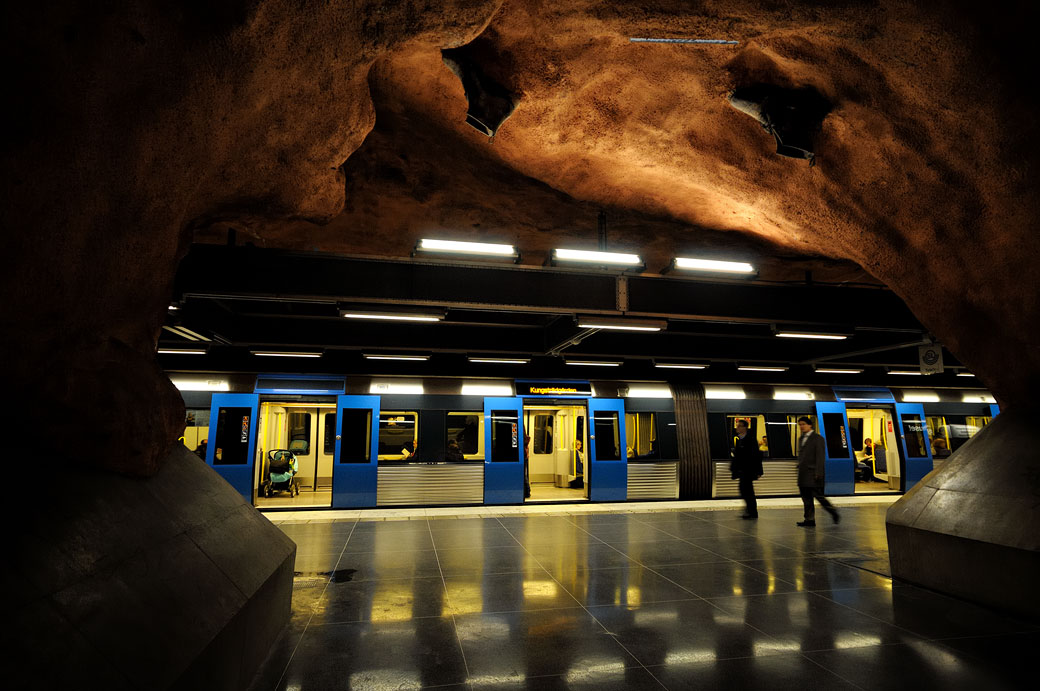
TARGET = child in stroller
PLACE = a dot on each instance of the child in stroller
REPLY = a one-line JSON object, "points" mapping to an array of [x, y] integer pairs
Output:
{"points": [[281, 473]]}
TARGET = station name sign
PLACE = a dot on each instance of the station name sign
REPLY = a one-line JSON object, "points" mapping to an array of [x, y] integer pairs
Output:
{"points": [[553, 388]]}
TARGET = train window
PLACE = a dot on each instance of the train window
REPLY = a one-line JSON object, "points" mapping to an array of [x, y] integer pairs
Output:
{"points": [[465, 429], [542, 441], [397, 435], [641, 436], [756, 428], [355, 435], [607, 436], [718, 435], [329, 442], [505, 436], [233, 427], [300, 433], [836, 436], [955, 429], [196, 417], [914, 436]]}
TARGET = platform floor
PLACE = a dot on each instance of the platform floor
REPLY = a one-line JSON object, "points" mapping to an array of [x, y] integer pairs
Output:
{"points": [[669, 599]]}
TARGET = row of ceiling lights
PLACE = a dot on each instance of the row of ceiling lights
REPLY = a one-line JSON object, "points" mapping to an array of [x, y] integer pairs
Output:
{"points": [[524, 361]]}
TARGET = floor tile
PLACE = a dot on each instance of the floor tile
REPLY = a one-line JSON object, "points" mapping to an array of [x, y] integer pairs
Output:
{"points": [[506, 592], [631, 585], [806, 621], [386, 599], [376, 565], [925, 664], [477, 560], [665, 552], [375, 541], [686, 629], [818, 574], [723, 579], [775, 673], [511, 646], [377, 655], [608, 678]]}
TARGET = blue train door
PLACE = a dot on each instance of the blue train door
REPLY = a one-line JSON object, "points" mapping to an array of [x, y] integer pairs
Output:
{"points": [[840, 471], [913, 437], [232, 439], [503, 451], [608, 459], [355, 466]]}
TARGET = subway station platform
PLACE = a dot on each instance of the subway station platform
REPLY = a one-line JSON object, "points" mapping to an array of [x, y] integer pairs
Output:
{"points": [[651, 597]]}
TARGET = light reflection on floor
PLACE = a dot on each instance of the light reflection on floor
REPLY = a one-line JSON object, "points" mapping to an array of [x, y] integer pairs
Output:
{"points": [[622, 601]]}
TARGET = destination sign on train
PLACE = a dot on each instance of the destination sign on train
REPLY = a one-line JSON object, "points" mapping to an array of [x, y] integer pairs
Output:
{"points": [[553, 388]]}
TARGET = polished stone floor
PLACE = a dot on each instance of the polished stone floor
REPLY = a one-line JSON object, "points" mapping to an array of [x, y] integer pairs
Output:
{"points": [[675, 599]]}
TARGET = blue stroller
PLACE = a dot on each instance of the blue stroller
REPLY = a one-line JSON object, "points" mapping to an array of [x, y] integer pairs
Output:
{"points": [[281, 473]]}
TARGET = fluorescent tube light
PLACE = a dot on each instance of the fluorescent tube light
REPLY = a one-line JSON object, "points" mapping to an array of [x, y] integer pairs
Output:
{"points": [[179, 333], [839, 370], [592, 363], [792, 395], [487, 390], [808, 334], [621, 325], [277, 353], [679, 365], [458, 247], [649, 392], [392, 316], [751, 368], [201, 384], [619, 258], [185, 330], [713, 265], [965, 374], [180, 351], [397, 357], [500, 361], [920, 397], [734, 393], [174, 307], [907, 373], [396, 387], [978, 398]]}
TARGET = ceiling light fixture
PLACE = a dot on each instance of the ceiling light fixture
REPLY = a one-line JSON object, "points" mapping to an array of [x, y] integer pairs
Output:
{"points": [[839, 370], [679, 365], [752, 368], [413, 358], [592, 363], [392, 316], [965, 374], [459, 247], [622, 324], [499, 361], [713, 265], [180, 351], [281, 353], [591, 257], [907, 373], [809, 334]]}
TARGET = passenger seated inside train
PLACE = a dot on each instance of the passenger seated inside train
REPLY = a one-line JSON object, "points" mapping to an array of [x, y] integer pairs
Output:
{"points": [[939, 448], [867, 463], [763, 446], [200, 450], [454, 453]]}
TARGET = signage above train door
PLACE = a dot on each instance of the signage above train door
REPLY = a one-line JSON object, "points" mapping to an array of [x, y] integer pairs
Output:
{"points": [[533, 388]]}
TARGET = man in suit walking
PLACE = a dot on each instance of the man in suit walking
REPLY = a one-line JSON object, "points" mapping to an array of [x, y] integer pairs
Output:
{"points": [[746, 467], [811, 467]]}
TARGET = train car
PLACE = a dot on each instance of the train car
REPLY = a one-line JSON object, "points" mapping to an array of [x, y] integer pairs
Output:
{"points": [[359, 442]]}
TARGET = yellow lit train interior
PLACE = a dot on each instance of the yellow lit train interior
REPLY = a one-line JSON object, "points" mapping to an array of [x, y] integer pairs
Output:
{"points": [[872, 432], [557, 452], [308, 430]]}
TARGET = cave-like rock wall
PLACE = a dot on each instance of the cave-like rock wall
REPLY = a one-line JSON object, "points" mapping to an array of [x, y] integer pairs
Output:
{"points": [[137, 127]]}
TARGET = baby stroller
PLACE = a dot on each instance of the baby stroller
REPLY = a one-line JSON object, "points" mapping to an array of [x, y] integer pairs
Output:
{"points": [[281, 473]]}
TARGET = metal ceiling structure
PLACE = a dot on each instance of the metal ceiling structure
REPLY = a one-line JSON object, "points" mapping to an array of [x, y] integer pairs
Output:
{"points": [[246, 298]]}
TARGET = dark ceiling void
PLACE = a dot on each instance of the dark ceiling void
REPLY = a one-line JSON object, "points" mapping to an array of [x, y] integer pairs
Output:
{"points": [[225, 294], [490, 103], [793, 116]]}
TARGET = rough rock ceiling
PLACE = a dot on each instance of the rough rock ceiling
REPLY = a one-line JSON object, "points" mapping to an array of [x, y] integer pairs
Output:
{"points": [[137, 124]]}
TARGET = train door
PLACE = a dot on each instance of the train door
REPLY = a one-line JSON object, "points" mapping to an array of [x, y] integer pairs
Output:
{"points": [[833, 425], [355, 465], [503, 451], [913, 437], [875, 447], [557, 451], [232, 445], [292, 432], [608, 461]]}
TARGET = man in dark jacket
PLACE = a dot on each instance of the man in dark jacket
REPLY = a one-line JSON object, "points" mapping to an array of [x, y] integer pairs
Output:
{"points": [[812, 456], [746, 467]]}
